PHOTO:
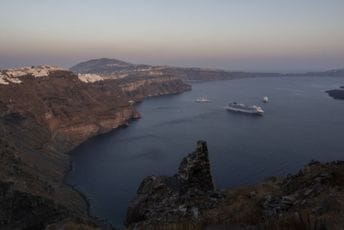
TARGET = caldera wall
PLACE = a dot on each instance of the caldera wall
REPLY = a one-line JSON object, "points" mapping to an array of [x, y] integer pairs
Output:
{"points": [[44, 113]]}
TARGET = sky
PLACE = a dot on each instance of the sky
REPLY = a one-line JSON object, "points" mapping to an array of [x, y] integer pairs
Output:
{"points": [[249, 35]]}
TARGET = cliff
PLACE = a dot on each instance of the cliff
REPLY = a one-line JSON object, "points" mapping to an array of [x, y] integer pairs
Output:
{"points": [[311, 199], [177, 199], [44, 113], [138, 88]]}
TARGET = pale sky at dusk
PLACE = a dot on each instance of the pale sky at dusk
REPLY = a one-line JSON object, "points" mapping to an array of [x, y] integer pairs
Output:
{"points": [[251, 35]]}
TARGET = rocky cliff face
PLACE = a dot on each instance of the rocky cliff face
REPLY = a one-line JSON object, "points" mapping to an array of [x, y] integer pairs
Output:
{"points": [[44, 113], [137, 88], [311, 199], [70, 109], [176, 199]]}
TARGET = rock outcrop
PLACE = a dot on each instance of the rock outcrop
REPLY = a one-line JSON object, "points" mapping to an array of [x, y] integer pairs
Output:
{"points": [[176, 199], [194, 174], [311, 199], [336, 93]]}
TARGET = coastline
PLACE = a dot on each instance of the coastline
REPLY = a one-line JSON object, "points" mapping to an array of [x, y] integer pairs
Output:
{"points": [[153, 103], [62, 123], [62, 113], [74, 188]]}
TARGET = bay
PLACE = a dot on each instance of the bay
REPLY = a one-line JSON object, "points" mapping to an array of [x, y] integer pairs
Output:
{"points": [[301, 123]]}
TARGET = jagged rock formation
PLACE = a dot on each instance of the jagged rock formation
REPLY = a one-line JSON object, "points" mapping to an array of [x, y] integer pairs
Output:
{"points": [[311, 199], [194, 171], [182, 197], [44, 113]]}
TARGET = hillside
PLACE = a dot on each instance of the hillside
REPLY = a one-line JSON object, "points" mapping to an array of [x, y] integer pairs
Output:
{"points": [[116, 69], [113, 68], [45, 112], [102, 65]]}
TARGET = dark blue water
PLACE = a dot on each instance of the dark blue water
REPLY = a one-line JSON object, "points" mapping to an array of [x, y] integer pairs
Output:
{"points": [[301, 123]]}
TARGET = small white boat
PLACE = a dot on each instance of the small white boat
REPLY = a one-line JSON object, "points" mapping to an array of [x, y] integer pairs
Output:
{"points": [[202, 100], [265, 99]]}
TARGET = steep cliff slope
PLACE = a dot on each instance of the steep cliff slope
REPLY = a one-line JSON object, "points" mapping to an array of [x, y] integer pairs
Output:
{"points": [[44, 113], [177, 199]]}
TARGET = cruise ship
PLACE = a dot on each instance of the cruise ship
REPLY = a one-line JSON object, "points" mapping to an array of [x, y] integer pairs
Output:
{"points": [[237, 107]]}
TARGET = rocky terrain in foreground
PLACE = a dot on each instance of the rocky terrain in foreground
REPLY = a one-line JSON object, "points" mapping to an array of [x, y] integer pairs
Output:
{"points": [[311, 199], [176, 199], [44, 113]]}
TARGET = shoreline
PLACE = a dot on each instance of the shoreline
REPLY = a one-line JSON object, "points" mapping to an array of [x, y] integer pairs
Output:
{"points": [[224, 188], [125, 124], [99, 221]]}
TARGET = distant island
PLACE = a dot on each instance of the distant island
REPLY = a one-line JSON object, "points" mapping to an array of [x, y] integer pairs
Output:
{"points": [[114, 68], [337, 93]]}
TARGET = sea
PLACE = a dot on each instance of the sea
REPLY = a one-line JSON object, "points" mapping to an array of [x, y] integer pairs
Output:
{"points": [[301, 123]]}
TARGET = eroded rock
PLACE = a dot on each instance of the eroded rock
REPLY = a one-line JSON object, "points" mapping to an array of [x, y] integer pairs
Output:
{"points": [[178, 198]]}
